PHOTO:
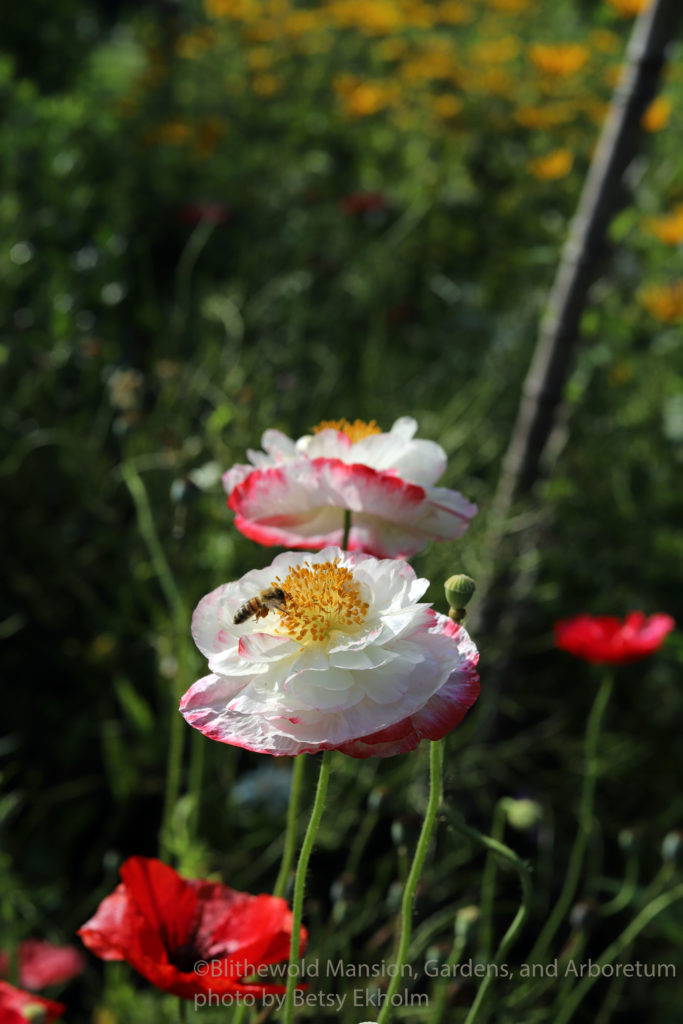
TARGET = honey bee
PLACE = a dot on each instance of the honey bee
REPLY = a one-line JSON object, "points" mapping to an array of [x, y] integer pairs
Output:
{"points": [[260, 605]]}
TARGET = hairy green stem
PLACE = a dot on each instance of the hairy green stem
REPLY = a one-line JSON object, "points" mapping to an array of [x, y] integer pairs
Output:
{"points": [[616, 949], [300, 882], [435, 770], [292, 822], [580, 845], [520, 917]]}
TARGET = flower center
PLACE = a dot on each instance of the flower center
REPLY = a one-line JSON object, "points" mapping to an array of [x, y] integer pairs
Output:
{"points": [[355, 431], [320, 598]]}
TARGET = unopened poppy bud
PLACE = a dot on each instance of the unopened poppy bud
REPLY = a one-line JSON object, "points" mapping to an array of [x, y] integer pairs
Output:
{"points": [[459, 590], [582, 915], [630, 840], [466, 920], [672, 848], [522, 814]]}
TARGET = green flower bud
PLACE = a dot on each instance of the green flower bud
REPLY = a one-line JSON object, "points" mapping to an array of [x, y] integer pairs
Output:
{"points": [[459, 590], [522, 814], [466, 920], [672, 848]]}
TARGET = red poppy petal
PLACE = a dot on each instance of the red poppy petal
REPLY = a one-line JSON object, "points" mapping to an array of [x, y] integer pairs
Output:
{"points": [[168, 902]]}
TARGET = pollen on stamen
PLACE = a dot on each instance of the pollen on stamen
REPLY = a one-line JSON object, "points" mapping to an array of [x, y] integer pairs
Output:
{"points": [[355, 431], [320, 598]]}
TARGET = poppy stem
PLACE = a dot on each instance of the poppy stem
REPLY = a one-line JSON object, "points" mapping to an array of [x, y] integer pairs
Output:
{"points": [[182, 1011], [292, 822], [435, 770], [580, 846], [347, 529], [300, 882], [510, 937]]}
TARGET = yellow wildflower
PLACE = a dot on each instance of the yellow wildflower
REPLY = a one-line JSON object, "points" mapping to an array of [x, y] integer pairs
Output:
{"points": [[554, 165], [560, 60], [238, 10], [428, 66], [629, 8], [362, 99], [447, 106], [664, 301], [496, 51], [492, 81], [539, 118], [301, 22], [453, 13], [378, 17], [657, 114], [668, 229], [510, 6]]}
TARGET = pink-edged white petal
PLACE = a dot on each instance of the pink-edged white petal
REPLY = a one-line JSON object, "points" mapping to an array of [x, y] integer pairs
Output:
{"points": [[385, 479], [302, 503]]}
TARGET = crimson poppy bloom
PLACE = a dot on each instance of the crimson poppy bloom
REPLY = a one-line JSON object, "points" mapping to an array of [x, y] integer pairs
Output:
{"points": [[189, 936], [16, 1007], [606, 640], [42, 964]]}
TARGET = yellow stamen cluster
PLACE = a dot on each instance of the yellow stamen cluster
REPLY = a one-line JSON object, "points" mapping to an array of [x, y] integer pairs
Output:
{"points": [[320, 598], [356, 431]]}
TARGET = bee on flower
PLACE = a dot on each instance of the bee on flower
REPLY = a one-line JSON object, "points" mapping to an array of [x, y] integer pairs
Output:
{"points": [[345, 658]]}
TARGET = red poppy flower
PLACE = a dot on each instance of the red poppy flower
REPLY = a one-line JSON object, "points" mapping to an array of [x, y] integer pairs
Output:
{"points": [[190, 936], [42, 964], [16, 1007], [606, 640]]}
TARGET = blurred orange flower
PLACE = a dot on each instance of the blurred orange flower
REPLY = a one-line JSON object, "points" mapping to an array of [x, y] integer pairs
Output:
{"points": [[496, 51], [664, 301], [657, 114], [668, 229], [362, 99], [560, 60], [544, 117], [556, 164], [629, 8]]}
